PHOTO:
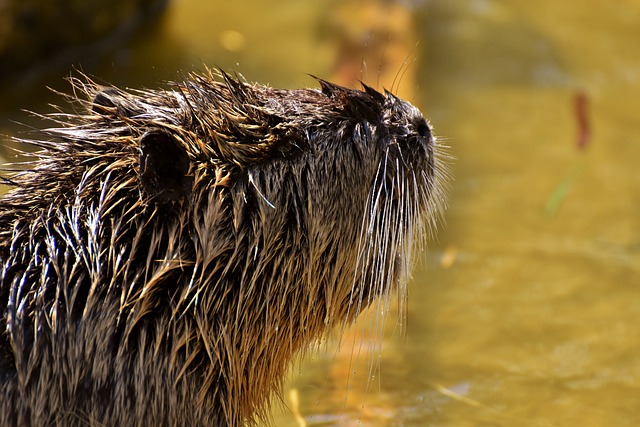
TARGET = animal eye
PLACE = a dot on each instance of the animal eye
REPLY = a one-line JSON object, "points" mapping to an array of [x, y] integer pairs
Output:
{"points": [[423, 129]]}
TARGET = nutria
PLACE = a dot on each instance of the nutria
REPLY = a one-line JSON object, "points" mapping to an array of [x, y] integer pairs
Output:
{"points": [[167, 253]]}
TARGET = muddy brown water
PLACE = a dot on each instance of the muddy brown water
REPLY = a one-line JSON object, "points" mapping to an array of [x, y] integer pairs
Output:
{"points": [[526, 310]]}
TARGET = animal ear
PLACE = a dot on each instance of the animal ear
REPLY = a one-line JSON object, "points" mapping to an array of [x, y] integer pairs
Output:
{"points": [[164, 167]]}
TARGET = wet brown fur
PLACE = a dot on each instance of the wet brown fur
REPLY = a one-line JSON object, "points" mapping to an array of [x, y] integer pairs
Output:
{"points": [[167, 253]]}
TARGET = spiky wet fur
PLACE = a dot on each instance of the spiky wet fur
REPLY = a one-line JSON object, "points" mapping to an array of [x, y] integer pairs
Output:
{"points": [[119, 307]]}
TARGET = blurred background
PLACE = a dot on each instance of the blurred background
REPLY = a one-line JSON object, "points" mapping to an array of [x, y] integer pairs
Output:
{"points": [[526, 309]]}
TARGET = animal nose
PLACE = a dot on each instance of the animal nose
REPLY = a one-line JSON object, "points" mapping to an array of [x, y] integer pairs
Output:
{"points": [[423, 129]]}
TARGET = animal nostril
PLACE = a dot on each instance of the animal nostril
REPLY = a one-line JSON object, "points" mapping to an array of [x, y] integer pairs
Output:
{"points": [[423, 129]]}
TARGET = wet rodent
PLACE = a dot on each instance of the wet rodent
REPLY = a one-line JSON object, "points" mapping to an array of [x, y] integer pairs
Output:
{"points": [[167, 252]]}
